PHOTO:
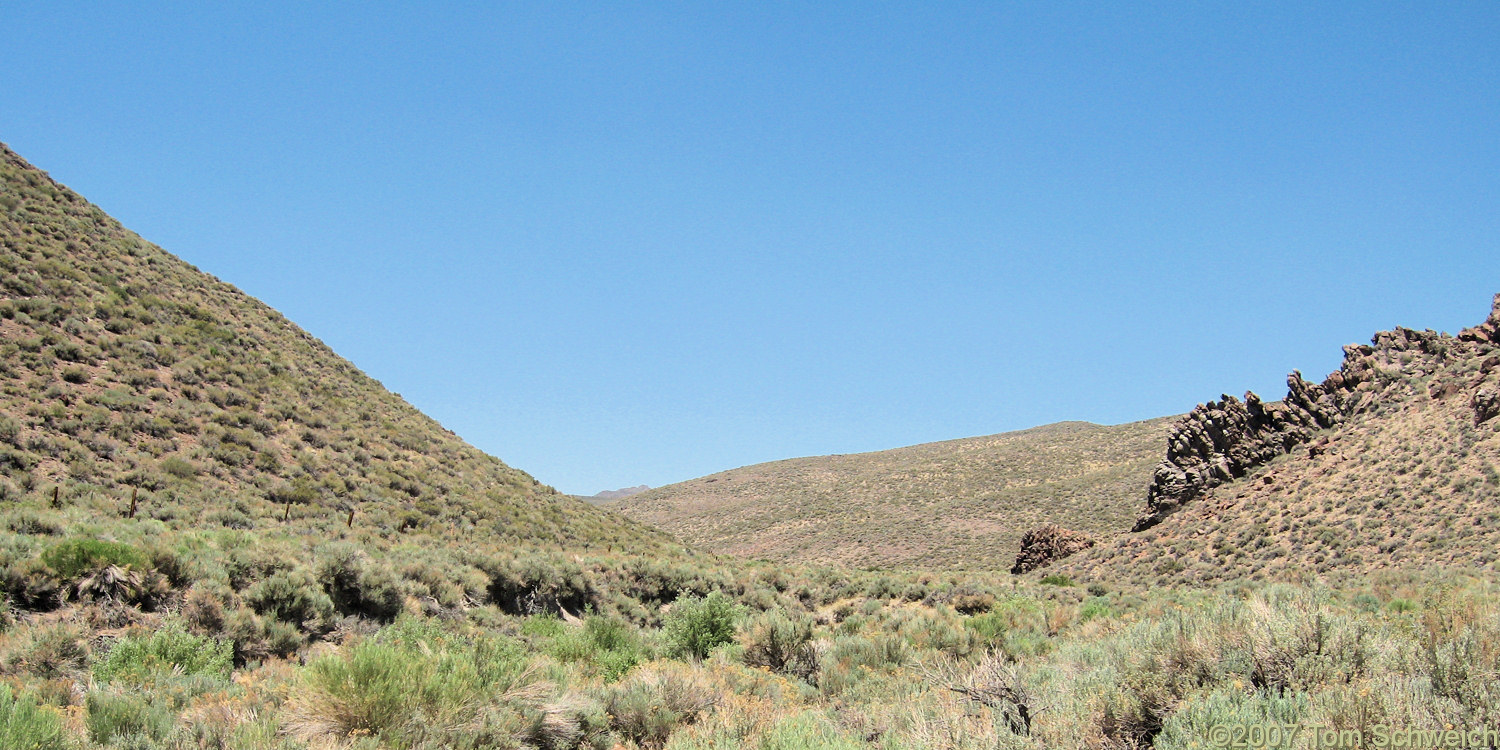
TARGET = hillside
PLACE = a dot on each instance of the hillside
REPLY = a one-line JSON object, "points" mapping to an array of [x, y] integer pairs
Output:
{"points": [[953, 504], [1390, 463], [126, 373]]}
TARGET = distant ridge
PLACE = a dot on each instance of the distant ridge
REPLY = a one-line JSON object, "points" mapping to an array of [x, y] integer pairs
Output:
{"points": [[623, 492], [953, 504]]}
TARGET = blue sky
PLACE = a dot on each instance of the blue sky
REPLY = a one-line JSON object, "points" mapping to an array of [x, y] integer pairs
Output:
{"points": [[626, 243]]}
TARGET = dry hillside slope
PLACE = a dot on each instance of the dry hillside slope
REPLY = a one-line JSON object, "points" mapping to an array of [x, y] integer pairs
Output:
{"points": [[1390, 463], [125, 372], [954, 504]]}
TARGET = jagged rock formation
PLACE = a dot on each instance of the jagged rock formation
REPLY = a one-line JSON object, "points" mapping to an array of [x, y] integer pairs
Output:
{"points": [[1404, 479], [1223, 440], [1047, 544]]}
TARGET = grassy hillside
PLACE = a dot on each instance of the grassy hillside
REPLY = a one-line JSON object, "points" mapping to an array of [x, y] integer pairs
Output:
{"points": [[125, 372], [1408, 480], [955, 504]]}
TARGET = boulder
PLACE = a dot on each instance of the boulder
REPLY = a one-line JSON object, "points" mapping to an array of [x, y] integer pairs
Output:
{"points": [[1047, 544]]}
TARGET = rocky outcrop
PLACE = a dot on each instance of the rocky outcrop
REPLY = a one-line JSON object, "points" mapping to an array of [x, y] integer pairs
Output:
{"points": [[1047, 544], [1486, 332], [1223, 440], [1486, 403]]}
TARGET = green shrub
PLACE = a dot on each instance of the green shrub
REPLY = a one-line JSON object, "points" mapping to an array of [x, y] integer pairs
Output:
{"points": [[1095, 607], [126, 718], [31, 522], [280, 638], [851, 659], [378, 688], [203, 609], [1016, 626], [808, 731], [30, 584], [357, 588], [539, 585], [301, 491], [75, 557], [609, 634], [941, 631], [16, 460], [649, 706], [413, 683], [608, 643], [168, 650], [570, 645], [1057, 579], [696, 626], [782, 644], [616, 646], [58, 651], [292, 597], [179, 467], [969, 603], [230, 518], [543, 626], [1193, 724], [990, 627], [26, 726], [614, 665]]}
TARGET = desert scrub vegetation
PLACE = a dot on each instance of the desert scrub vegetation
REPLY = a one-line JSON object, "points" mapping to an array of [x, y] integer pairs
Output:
{"points": [[1044, 667], [24, 724]]}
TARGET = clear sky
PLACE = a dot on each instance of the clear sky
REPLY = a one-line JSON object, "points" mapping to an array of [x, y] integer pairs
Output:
{"points": [[624, 243]]}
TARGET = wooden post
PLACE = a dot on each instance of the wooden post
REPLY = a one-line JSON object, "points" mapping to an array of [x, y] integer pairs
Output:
{"points": [[57, 496], [135, 496], [350, 522], [287, 516]]}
